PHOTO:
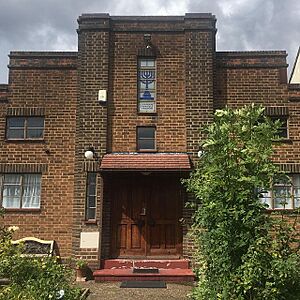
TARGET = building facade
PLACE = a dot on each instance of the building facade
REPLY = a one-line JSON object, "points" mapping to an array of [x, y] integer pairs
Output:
{"points": [[94, 143]]}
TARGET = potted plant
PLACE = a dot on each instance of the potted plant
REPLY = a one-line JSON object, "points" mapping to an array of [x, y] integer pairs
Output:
{"points": [[81, 270]]}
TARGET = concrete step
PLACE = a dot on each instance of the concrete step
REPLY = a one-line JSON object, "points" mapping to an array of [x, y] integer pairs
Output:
{"points": [[169, 275], [137, 263]]}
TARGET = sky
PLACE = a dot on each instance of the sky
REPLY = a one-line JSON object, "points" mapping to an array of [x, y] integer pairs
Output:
{"points": [[242, 24]]}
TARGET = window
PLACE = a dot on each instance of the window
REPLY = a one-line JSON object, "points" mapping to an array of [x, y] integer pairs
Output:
{"points": [[283, 129], [91, 191], [21, 190], [284, 195], [25, 128], [146, 139], [146, 85]]}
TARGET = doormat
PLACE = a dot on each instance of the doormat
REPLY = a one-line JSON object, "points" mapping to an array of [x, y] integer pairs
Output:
{"points": [[146, 270], [149, 284]]}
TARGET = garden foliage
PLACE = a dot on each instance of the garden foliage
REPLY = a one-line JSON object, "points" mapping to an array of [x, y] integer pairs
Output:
{"points": [[32, 278], [244, 251]]}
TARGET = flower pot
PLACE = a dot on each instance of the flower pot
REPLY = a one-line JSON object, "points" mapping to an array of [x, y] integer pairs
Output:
{"points": [[81, 274]]}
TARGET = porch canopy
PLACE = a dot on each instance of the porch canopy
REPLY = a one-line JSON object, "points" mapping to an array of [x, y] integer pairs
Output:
{"points": [[145, 162]]}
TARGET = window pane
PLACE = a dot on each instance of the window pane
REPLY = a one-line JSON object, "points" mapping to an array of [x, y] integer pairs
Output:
{"points": [[146, 145], [16, 122], [35, 133], [91, 190], [35, 122], [297, 202], [31, 191], [91, 196], [12, 179], [282, 197], [92, 178], [11, 191], [147, 95], [147, 75], [11, 202], [146, 132], [282, 132], [147, 84], [283, 129], [91, 201], [91, 214], [147, 62], [15, 133], [296, 187], [266, 199]]}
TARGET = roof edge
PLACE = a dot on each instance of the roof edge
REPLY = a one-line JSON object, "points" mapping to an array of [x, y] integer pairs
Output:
{"points": [[251, 53], [43, 54]]}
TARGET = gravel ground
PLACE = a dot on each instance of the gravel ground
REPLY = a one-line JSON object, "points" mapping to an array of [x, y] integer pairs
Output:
{"points": [[112, 290]]}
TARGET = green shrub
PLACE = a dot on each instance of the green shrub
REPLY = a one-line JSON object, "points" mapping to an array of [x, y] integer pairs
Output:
{"points": [[243, 252], [32, 278]]}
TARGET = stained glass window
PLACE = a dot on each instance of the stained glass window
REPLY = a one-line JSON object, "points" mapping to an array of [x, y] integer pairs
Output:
{"points": [[147, 85]]}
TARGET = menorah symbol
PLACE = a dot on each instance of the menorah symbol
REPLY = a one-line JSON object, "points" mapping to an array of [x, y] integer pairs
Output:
{"points": [[147, 77]]}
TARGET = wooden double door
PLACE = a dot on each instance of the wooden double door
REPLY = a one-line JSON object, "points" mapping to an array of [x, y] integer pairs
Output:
{"points": [[145, 216]]}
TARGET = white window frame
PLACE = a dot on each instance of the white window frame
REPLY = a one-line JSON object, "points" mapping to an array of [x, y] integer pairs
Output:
{"points": [[21, 186], [293, 196]]}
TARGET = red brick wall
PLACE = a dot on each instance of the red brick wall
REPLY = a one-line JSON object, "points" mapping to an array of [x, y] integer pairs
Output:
{"points": [[170, 115], [258, 77], [3, 92], [192, 81], [91, 124], [44, 83]]}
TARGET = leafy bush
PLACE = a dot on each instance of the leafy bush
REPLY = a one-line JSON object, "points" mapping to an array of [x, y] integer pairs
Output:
{"points": [[32, 278], [243, 251]]}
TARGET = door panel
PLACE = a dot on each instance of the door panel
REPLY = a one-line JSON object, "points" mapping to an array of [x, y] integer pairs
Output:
{"points": [[145, 213], [164, 214], [127, 234], [122, 236]]}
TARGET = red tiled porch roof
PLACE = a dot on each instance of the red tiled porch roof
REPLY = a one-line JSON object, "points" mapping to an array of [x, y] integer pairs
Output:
{"points": [[151, 162]]}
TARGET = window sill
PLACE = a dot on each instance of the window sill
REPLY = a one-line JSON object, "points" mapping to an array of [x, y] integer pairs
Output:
{"points": [[287, 211], [90, 222], [284, 141], [25, 141], [150, 114], [22, 210], [147, 151]]}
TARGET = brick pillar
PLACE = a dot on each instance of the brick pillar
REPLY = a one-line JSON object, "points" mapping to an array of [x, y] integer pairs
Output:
{"points": [[91, 121], [200, 52]]}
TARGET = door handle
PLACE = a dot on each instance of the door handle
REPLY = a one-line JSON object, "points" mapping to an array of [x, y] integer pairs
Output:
{"points": [[143, 211]]}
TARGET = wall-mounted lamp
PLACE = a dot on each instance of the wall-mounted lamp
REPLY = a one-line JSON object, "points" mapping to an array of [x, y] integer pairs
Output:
{"points": [[90, 154], [200, 153], [147, 40], [145, 173]]}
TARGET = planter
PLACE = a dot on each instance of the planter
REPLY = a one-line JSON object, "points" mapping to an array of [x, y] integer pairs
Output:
{"points": [[81, 274]]}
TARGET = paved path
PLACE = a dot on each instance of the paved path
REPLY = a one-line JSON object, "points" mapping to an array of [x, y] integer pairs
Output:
{"points": [[111, 291]]}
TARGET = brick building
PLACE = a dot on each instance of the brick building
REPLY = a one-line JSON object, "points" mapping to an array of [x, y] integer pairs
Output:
{"points": [[93, 143]]}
